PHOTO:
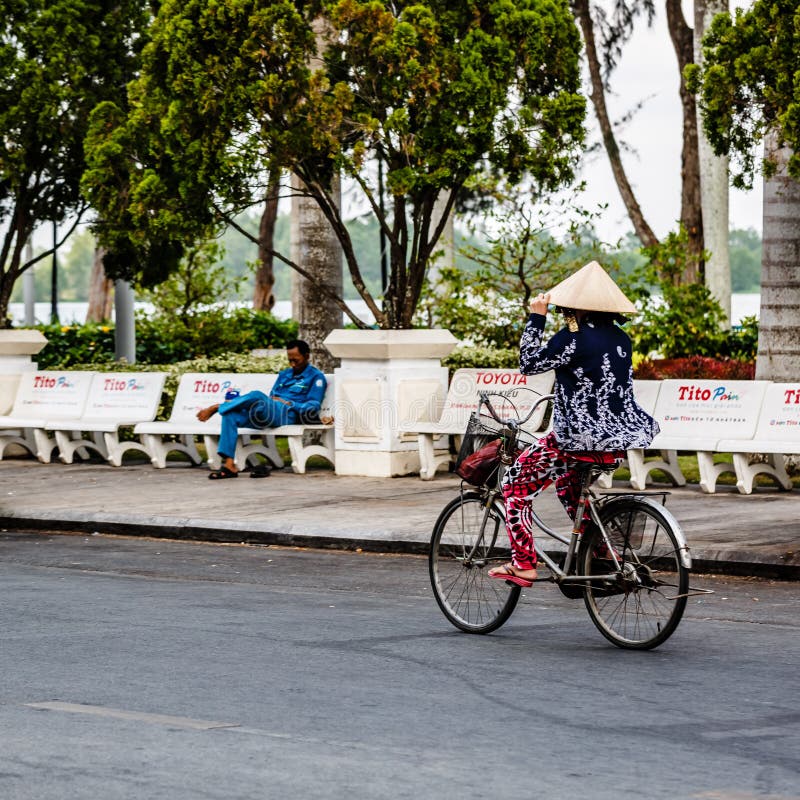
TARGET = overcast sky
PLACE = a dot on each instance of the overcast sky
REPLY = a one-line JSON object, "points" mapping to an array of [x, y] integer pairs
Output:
{"points": [[648, 72]]}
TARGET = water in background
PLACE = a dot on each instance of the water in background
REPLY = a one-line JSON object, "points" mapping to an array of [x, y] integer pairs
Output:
{"points": [[742, 305], [71, 313]]}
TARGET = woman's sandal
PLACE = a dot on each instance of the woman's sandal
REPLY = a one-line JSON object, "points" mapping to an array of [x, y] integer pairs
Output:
{"points": [[505, 572], [221, 474]]}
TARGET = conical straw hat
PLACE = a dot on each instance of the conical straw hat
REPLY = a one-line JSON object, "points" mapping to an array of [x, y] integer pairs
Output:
{"points": [[591, 289]]}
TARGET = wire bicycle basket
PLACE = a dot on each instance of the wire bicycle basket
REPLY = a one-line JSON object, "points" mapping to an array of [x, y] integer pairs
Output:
{"points": [[484, 448]]}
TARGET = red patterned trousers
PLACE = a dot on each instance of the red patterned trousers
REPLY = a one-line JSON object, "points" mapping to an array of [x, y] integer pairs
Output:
{"points": [[535, 469]]}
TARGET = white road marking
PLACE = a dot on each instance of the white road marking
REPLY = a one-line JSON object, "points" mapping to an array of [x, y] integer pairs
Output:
{"points": [[186, 723]]}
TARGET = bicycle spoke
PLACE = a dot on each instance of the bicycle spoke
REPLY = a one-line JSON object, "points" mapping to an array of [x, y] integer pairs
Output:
{"points": [[630, 609], [466, 540]]}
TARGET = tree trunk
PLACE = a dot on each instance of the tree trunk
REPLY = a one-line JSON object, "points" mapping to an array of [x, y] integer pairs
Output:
{"points": [[6, 285], [645, 233], [713, 181], [691, 206], [317, 249], [100, 290], [446, 247], [16, 236], [779, 326], [263, 298]]}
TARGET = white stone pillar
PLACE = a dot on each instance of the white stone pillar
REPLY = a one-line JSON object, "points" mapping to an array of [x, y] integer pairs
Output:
{"points": [[16, 349], [387, 379], [124, 322]]}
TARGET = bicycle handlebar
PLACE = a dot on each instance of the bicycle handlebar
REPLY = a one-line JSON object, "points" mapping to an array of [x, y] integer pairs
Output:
{"points": [[512, 423]]}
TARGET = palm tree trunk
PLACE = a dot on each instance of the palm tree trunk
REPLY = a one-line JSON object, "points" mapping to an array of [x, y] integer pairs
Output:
{"points": [[779, 326], [691, 205], [713, 181], [316, 247]]}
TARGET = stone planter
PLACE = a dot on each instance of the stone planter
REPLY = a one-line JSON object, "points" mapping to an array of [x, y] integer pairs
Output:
{"points": [[387, 379], [16, 349]]}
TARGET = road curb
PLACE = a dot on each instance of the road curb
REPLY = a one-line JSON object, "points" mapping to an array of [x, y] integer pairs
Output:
{"points": [[703, 562], [201, 532]]}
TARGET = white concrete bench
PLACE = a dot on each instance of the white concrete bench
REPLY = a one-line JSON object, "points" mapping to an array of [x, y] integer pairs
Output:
{"points": [[304, 439], [116, 400], [695, 415], [777, 435], [41, 398], [462, 399], [179, 433]]}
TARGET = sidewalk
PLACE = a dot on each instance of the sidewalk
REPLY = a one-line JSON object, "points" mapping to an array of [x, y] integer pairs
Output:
{"points": [[756, 534]]}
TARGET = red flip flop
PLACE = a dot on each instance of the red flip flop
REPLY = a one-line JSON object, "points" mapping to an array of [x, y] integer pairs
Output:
{"points": [[508, 576]]}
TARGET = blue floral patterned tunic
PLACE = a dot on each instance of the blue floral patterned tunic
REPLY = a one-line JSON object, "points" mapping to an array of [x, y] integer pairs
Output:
{"points": [[594, 407]]}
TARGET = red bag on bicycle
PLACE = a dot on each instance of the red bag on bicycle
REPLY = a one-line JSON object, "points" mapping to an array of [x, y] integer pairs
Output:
{"points": [[478, 468]]}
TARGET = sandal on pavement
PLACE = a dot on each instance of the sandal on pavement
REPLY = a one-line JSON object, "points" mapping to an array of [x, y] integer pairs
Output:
{"points": [[260, 471], [222, 473], [505, 572]]}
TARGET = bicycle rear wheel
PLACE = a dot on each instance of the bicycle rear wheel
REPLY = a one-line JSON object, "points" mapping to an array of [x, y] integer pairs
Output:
{"points": [[468, 539], [642, 604]]}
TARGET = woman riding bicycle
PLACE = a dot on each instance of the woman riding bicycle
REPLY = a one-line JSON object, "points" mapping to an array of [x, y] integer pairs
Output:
{"points": [[595, 416]]}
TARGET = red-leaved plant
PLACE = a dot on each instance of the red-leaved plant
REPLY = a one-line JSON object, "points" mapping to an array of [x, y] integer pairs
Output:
{"points": [[695, 367]]}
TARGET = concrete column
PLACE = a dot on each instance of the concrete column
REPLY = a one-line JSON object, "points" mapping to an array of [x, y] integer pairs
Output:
{"points": [[29, 289], [388, 379], [17, 347], [124, 328]]}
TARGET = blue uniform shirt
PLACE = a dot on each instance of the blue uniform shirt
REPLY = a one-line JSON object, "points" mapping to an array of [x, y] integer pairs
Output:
{"points": [[304, 391]]}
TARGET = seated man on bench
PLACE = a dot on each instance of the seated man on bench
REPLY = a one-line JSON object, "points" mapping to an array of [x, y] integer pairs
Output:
{"points": [[295, 398]]}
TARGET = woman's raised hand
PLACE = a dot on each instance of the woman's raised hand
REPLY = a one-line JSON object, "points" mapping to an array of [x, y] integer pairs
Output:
{"points": [[538, 304]]}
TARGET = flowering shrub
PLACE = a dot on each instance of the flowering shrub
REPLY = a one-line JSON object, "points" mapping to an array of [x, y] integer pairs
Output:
{"points": [[695, 367], [68, 345]]}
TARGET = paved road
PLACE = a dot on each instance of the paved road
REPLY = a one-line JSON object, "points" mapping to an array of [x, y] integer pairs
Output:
{"points": [[136, 668], [738, 534]]}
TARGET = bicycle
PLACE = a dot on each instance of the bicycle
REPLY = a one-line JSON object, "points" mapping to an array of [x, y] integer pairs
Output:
{"points": [[630, 563]]}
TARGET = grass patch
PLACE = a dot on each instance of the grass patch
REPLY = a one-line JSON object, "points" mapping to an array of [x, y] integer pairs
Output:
{"points": [[688, 464]]}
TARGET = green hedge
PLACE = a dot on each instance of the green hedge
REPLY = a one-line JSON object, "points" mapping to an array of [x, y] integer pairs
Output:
{"points": [[164, 340], [477, 357], [225, 363]]}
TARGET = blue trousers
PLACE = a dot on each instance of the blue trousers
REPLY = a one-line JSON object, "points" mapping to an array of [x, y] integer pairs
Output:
{"points": [[243, 412]]}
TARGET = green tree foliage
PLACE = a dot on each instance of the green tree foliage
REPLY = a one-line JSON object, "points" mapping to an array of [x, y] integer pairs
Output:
{"points": [[750, 83], [750, 86], [214, 333], [58, 60], [680, 320], [200, 281], [437, 91], [192, 317], [240, 252], [487, 304]]}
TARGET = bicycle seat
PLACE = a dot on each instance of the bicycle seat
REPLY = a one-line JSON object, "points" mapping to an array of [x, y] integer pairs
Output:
{"points": [[583, 467]]}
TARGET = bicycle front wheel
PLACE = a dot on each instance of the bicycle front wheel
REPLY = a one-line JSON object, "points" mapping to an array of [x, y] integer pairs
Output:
{"points": [[640, 605], [468, 539]]}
